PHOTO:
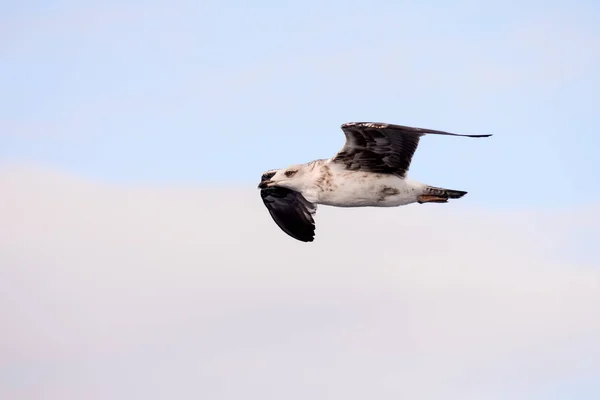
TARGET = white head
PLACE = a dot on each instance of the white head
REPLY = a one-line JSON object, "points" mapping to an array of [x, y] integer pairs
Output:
{"points": [[292, 177]]}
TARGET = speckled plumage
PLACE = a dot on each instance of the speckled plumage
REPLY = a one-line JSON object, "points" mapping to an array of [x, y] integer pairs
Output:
{"points": [[369, 171]]}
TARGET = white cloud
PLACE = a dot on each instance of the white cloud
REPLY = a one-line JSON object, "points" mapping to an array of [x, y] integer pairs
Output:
{"points": [[119, 292]]}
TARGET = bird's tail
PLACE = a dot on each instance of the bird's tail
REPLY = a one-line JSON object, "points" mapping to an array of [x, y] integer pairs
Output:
{"points": [[433, 194]]}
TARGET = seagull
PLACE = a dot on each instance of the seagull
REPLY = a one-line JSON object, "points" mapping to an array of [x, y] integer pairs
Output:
{"points": [[369, 171]]}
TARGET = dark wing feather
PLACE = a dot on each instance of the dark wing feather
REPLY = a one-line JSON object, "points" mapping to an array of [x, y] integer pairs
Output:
{"points": [[382, 148], [291, 211]]}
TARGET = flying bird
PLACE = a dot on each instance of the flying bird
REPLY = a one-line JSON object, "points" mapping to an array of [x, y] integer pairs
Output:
{"points": [[369, 171]]}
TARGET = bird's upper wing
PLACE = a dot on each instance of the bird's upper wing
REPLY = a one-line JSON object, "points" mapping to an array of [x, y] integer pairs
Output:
{"points": [[382, 148], [291, 211]]}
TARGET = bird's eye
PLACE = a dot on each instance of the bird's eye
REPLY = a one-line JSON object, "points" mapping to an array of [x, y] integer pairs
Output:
{"points": [[290, 173]]}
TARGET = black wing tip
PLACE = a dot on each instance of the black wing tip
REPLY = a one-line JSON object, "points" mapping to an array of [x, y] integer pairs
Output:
{"points": [[382, 125], [305, 239], [306, 236]]}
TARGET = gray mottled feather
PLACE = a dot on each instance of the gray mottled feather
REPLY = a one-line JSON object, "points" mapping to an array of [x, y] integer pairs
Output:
{"points": [[382, 148]]}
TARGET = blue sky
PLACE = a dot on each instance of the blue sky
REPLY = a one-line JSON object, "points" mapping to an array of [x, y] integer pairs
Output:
{"points": [[136, 255], [209, 93]]}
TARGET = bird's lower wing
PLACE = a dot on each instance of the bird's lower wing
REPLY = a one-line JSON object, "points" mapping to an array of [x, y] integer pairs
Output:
{"points": [[291, 212]]}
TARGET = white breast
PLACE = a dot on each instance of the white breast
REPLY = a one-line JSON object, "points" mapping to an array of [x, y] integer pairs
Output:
{"points": [[341, 188]]}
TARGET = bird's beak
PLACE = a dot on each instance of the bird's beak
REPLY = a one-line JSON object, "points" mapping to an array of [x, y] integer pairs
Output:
{"points": [[264, 184]]}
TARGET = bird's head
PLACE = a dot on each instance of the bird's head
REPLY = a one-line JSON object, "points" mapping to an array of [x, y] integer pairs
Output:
{"points": [[290, 177]]}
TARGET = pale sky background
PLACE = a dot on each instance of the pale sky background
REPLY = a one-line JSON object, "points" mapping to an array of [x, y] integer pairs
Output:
{"points": [[137, 260]]}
